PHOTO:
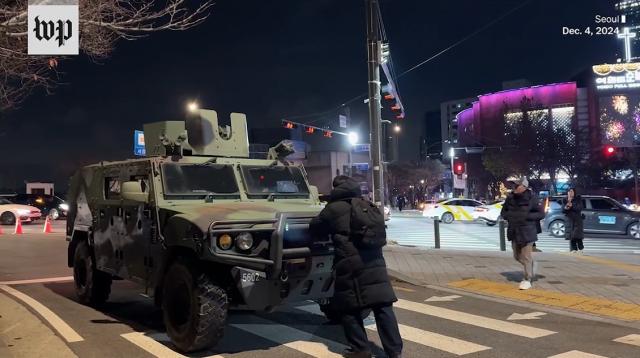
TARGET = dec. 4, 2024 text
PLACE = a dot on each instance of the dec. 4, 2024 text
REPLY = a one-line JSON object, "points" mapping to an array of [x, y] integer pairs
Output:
{"points": [[590, 31]]}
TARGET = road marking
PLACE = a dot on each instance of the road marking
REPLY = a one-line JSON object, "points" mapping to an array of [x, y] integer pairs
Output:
{"points": [[299, 340], [474, 320], [593, 305], [519, 316], [420, 336], [437, 341], [403, 289], [442, 298], [576, 354], [632, 339], [154, 346], [54, 320], [38, 280]]}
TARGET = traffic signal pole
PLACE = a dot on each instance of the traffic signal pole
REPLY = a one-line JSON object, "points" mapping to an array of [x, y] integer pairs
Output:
{"points": [[375, 116]]}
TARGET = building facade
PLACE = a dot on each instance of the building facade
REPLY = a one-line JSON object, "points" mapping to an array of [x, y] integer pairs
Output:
{"points": [[449, 127]]}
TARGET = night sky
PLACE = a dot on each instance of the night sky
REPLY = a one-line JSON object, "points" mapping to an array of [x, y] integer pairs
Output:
{"points": [[276, 59]]}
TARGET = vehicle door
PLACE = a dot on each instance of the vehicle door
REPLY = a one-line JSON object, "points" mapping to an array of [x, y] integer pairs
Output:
{"points": [[137, 222], [108, 225], [467, 207], [605, 216]]}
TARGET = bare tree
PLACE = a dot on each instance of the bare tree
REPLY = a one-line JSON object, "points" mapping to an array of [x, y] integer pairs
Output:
{"points": [[102, 24]]}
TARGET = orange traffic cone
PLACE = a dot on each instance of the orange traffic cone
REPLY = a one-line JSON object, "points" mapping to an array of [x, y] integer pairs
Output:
{"points": [[47, 226], [18, 229]]}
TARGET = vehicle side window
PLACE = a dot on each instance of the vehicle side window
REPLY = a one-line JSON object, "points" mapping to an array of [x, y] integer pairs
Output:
{"points": [[603, 204], [454, 202], [144, 181], [111, 188]]}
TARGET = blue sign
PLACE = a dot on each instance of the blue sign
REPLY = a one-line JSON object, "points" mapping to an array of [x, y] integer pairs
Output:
{"points": [[361, 148], [609, 220], [363, 167], [138, 144]]}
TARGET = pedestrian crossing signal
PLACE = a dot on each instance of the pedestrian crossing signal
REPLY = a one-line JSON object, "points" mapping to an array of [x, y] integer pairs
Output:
{"points": [[458, 168]]}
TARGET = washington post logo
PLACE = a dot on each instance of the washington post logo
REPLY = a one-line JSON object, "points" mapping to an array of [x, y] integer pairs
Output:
{"points": [[53, 28]]}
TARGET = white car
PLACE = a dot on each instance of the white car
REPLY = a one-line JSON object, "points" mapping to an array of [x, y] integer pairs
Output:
{"points": [[449, 210], [488, 213], [9, 211]]}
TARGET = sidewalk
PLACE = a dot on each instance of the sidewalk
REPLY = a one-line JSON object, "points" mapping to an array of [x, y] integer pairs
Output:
{"points": [[589, 284]]}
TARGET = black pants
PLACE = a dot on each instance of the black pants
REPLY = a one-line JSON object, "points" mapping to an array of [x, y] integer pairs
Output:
{"points": [[577, 244], [387, 326]]}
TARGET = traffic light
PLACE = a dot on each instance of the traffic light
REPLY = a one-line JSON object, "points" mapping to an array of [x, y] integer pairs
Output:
{"points": [[609, 150], [458, 167]]}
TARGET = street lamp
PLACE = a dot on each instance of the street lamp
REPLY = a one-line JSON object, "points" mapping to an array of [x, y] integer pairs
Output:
{"points": [[192, 106], [353, 138]]}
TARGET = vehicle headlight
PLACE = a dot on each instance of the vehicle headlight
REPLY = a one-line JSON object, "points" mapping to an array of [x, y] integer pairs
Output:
{"points": [[23, 212], [244, 241], [64, 206], [225, 242]]}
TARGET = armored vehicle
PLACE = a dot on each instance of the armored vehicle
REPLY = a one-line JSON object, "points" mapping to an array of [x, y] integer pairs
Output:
{"points": [[199, 226]]}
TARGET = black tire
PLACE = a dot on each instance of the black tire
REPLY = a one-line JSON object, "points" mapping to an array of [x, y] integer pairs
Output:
{"points": [[54, 214], [7, 218], [194, 309], [333, 314], [92, 286], [447, 218], [557, 228], [634, 231]]}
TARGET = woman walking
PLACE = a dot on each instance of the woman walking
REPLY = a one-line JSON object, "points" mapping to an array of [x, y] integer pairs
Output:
{"points": [[574, 228]]}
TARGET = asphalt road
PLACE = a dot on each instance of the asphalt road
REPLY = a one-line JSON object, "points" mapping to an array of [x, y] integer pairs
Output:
{"points": [[410, 228], [130, 326]]}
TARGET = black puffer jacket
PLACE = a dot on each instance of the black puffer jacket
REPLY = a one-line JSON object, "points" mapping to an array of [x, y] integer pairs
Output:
{"points": [[574, 227], [523, 215], [361, 278]]}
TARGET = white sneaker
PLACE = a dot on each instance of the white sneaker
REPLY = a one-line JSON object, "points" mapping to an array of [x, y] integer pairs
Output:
{"points": [[580, 252], [573, 252], [525, 285]]}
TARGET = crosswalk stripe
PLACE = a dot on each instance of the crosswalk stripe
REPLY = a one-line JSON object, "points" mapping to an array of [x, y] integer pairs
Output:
{"points": [[299, 340], [426, 338], [576, 354], [632, 339], [474, 320], [438, 341], [154, 347]]}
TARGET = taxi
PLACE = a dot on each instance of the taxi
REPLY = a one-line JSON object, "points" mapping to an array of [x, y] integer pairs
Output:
{"points": [[450, 210], [488, 213]]}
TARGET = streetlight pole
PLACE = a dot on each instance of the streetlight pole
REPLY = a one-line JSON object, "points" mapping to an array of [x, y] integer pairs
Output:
{"points": [[374, 60]]}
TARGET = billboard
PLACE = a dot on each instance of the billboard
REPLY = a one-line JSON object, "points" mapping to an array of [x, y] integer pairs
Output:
{"points": [[619, 116], [138, 143]]}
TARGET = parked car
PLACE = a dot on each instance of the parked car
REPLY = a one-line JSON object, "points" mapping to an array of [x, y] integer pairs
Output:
{"points": [[602, 215], [450, 210], [9, 210], [48, 204]]}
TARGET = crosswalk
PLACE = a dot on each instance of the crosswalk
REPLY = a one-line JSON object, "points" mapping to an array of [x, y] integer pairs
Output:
{"points": [[417, 231], [306, 337]]}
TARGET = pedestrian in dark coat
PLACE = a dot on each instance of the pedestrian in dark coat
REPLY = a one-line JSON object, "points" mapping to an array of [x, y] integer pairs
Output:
{"points": [[574, 226], [361, 279], [522, 212]]}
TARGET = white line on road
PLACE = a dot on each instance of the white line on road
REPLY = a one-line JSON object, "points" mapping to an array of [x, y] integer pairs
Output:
{"points": [[299, 340], [154, 347], [576, 354], [633, 339], [420, 336], [54, 320], [437, 341], [38, 280], [474, 320]]}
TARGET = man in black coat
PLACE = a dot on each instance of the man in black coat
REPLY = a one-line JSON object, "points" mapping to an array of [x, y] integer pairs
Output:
{"points": [[522, 212], [361, 279]]}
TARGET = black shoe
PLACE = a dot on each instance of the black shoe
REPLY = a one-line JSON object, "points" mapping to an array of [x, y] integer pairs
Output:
{"points": [[351, 354]]}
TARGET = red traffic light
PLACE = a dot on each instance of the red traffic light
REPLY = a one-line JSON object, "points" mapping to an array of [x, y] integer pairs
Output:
{"points": [[458, 168], [609, 150]]}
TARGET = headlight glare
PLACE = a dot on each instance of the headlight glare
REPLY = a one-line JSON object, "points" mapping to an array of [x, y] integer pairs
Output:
{"points": [[244, 241]]}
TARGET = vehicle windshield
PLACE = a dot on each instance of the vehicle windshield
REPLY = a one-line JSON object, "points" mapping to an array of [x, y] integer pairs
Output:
{"points": [[199, 180], [277, 180], [4, 201]]}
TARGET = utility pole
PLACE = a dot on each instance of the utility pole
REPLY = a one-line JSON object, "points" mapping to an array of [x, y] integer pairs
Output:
{"points": [[374, 47]]}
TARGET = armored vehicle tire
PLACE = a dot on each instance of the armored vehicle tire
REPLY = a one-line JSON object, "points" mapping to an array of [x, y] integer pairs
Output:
{"points": [[194, 309], [7, 218], [92, 286], [334, 315]]}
